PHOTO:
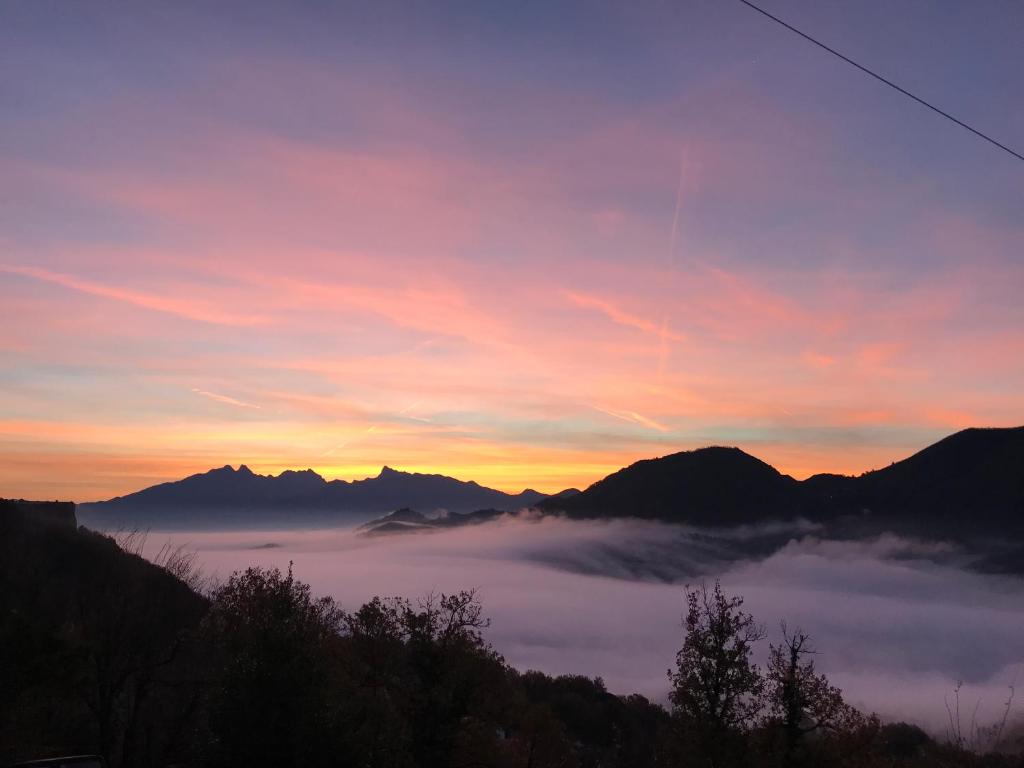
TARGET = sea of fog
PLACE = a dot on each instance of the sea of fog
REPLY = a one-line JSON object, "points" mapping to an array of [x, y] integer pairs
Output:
{"points": [[897, 623]]}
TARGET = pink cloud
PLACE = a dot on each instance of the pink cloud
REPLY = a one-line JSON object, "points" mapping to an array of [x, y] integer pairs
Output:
{"points": [[333, 285], [617, 315], [204, 312], [226, 399]]}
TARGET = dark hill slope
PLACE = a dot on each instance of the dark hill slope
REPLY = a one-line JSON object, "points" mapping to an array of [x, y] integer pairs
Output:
{"points": [[709, 486], [91, 637], [971, 480], [974, 471], [968, 484]]}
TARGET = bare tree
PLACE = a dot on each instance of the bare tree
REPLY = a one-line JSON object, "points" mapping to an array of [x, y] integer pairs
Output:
{"points": [[717, 690], [800, 700]]}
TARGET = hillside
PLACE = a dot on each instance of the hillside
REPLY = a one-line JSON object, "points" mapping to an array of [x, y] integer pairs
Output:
{"points": [[970, 483], [976, 475], [90, 636], [709, 486]]}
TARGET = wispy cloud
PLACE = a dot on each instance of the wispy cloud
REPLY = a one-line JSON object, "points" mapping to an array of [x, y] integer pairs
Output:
{"points": [[622, 317], [634, 417], [188, 309], [226, 399]]}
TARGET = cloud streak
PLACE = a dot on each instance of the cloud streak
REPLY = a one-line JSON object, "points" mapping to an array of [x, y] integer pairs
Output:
{"points": [[634, 417], [621, 317], [226, 399], [184, 308]]}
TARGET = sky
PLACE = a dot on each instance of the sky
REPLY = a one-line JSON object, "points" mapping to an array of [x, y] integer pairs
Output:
{"points": [[518, 243]]}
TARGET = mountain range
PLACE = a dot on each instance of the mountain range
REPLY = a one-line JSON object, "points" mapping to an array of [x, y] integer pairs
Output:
{"points": [[240, 497], [968, 484]]}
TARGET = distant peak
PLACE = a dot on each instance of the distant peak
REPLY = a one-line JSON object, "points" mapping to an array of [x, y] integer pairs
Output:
{"points": [[228, 470], [306, 477], [711, 452], [387, 471]]}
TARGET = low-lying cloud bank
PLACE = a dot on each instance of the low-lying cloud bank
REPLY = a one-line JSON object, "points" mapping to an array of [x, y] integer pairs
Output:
{"points": [[897, 623]]}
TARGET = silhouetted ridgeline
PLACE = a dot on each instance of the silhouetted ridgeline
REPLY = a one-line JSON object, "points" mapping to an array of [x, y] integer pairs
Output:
{"points": [[969, 484], [102, 651], [240, 497], [708, 486]]}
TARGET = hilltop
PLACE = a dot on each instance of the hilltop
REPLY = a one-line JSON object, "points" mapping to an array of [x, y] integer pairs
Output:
{"points": [[970, 483]]}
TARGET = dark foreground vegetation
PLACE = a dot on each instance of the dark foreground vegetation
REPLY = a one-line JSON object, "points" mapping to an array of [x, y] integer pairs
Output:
{"points": [[102, 651]]}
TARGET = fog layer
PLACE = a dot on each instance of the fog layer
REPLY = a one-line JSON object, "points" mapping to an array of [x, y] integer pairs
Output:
{"points": [[896, 622]]}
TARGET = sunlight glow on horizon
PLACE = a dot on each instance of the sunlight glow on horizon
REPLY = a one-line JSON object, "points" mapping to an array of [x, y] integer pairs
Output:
{"points": [[518, 256]]}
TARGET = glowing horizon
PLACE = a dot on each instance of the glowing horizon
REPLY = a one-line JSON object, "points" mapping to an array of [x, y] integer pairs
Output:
{"points": [[504, 481], [498, 250]]}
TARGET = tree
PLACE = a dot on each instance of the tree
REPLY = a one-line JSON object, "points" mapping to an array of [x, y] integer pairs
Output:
{"points": [[273, 645], [422, 679], [716, 688], [801, 701], [454, 676]]}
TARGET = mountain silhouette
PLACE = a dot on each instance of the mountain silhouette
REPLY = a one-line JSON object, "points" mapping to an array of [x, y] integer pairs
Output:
{"points": [[240, 497], [708, 486], [410, 521], [967, 483], [971, 481]]}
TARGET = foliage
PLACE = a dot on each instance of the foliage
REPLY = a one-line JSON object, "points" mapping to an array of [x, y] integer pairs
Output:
{"points": [[717, 690], [270, 643]]}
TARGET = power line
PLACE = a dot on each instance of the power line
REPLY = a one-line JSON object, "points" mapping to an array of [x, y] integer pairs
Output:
{"points": [[877, 76]]}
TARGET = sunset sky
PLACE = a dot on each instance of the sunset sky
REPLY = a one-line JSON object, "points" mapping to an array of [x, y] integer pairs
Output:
{"points": [[524, 244]]}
